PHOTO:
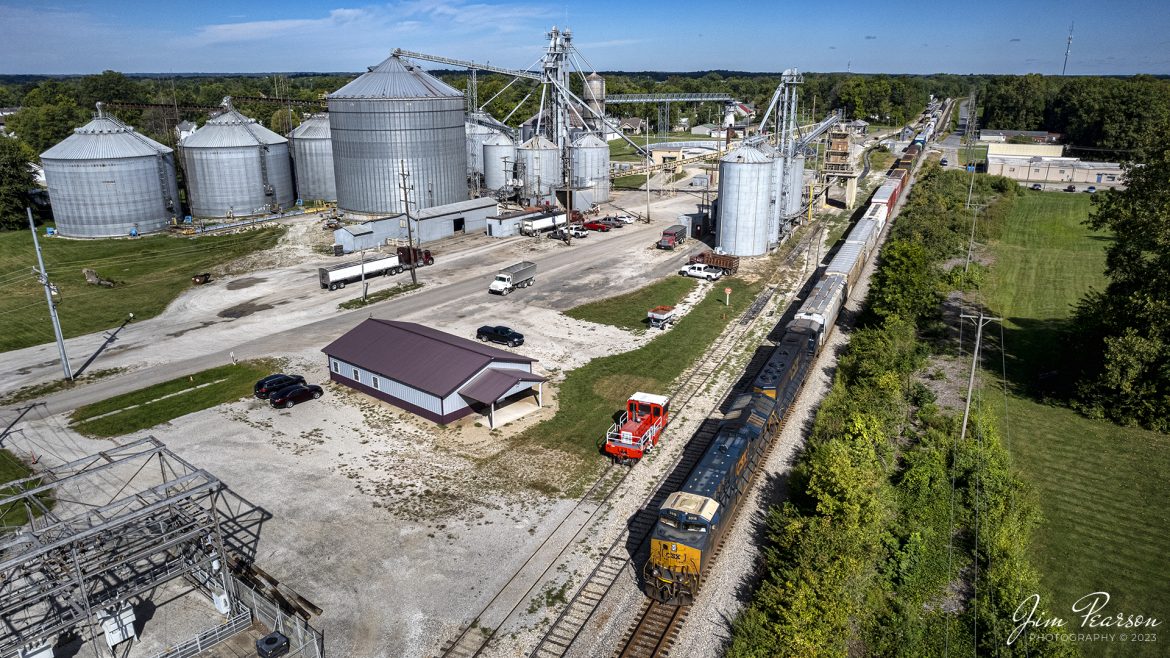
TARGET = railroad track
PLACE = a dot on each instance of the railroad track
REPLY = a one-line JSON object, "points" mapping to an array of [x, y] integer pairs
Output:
{"points": [[472, 639], [568, 626]]}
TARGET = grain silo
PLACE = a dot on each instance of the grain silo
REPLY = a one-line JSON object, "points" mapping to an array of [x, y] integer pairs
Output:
{"points": [[594, 96], [106, 180], [499, 161], [795, 183], [479, 127], [540, 160], [746, 177], [396, 116], [236, 167], [312, 153], [589, 162]]}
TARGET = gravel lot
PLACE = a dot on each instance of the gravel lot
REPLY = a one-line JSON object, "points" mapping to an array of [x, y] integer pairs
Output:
{"points": [[399, 529]]}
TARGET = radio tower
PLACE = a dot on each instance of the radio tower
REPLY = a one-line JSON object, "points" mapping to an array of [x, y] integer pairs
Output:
{"points": [[1067, 49]]}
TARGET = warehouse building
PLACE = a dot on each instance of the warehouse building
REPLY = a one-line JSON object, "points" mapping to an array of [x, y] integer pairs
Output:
{"points": [[1056, 170], [429, 225], [430, 373]]}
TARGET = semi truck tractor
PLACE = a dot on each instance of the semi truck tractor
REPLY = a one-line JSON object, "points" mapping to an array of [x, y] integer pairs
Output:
{"points": [[520, 275]]}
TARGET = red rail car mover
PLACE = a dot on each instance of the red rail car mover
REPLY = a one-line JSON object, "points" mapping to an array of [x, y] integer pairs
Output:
{"points": [[639, 428]]}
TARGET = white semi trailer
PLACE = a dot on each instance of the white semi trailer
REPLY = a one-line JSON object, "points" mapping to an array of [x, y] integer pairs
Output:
{"points": [[380, 265]]}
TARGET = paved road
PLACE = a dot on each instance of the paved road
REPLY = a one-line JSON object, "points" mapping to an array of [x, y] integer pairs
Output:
{"points": [[560, 285]]}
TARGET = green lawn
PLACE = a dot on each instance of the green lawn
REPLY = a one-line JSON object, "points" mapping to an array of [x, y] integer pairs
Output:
{"points": [[1102, 489], [223, 384], [979, 154], [591, 394], [149, 273], [628, 311]]}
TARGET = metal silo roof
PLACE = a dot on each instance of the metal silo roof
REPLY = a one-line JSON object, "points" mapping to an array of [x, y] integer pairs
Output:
{"points": [[748, 154], [394, 78], [104, 138], [590, 141], [540, 143], [315, 127], [232, 129]]}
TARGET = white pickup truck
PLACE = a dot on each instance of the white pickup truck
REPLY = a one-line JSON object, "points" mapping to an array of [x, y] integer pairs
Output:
{"points": [[700, 271]]}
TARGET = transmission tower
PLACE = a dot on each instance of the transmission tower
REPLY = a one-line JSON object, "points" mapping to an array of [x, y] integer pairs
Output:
{"points": [[1068, 48]]}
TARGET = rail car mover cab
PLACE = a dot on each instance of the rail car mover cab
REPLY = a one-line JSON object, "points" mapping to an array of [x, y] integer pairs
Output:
{"points": [[677, 545], [638, 428]]}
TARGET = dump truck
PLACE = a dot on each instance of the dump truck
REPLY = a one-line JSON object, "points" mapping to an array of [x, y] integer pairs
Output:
{"points": [[729, 264], [378, 265], [520, 275], [673, 236]]}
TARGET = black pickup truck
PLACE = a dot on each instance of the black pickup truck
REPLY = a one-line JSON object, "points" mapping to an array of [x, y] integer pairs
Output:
{"points": [[500, 334]]}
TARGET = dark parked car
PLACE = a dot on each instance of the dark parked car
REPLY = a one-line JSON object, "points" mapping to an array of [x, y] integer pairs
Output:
{"points": [[1037, 186], [291, 395], [943, 162], [612, 222], [1071, 188], [500, 334], [1092, 189], [273, 383]]}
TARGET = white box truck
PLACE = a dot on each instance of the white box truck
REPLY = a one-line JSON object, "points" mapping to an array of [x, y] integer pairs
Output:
{"points": [[378, 265], [520, 275]]}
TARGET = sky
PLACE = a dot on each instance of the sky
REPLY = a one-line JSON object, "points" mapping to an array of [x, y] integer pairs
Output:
{"points": [[873, 36]]}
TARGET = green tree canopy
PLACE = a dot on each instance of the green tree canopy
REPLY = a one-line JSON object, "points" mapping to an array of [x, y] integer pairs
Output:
{"points": [[16, 179]]}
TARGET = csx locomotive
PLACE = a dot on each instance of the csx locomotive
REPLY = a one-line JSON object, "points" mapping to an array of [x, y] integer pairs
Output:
{"points": [[692, 520]]}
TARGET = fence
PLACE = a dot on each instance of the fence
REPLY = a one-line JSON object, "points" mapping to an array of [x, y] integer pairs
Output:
{"points": [[303, 639], [209, 638]]}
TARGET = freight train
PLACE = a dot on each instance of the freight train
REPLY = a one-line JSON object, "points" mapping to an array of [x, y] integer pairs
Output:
{"points": [[692, 520]]}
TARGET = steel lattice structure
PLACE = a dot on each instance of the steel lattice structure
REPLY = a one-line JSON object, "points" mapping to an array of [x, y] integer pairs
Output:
{"points": [[105, 529]]}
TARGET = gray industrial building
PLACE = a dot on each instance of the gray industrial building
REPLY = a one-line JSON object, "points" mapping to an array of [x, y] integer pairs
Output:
{"points": [[392, 119], [236, 167], [505, 225], [427, 225], [436, 375], [106, 180]]}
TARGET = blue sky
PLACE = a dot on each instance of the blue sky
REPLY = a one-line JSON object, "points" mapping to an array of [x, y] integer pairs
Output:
{"points": [[994, 36]]}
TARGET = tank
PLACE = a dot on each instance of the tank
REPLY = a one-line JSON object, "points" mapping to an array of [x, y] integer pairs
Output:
{"points": [[312, 153], [236, 167], [589, 162], [397, 116], [477, 134], [594, 97], [541, 162], [499, 161], [745, 201], [106, 180], [775, 211], [795, 182]]}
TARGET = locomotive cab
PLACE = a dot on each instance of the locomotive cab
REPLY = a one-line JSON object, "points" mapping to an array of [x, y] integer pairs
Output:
{"points": [[639, 428], [679, 542]]}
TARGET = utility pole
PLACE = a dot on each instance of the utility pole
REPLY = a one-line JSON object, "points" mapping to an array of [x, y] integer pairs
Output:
{"points": [[980, 321], [365, 286], [971, 243], [649, 163], [43, 276], [409, 231]]}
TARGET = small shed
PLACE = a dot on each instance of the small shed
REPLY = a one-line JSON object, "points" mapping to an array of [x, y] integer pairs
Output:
{"points": [[428, 372]]}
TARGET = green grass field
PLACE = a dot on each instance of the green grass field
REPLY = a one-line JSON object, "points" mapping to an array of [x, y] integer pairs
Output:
{"points": [[628, 311], [149, 273], [115, 417], [979, 154], [1102, 488], [591, 394]]}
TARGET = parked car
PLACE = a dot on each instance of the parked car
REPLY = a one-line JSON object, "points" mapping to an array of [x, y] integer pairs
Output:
{"points": [[625, 219], [500, 334], [1071, 188], [1038, 187], [943, 162], [595, 226], [290, 396], [612, 222], [573, 231], [700, 271], [1092, 189], [273, 383]]}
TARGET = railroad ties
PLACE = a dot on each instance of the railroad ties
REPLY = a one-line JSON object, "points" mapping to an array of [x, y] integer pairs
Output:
{"points": [[654, 633]]}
